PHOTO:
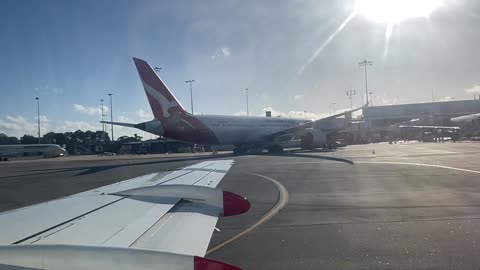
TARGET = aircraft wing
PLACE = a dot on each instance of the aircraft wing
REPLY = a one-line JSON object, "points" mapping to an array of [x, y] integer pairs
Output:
{"points": [[430, 127], [156, 221], [119, 124], [466, 118], [311, 124]]}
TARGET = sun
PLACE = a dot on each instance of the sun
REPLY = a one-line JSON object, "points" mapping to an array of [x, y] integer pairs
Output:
{"points": [[395, 11]]}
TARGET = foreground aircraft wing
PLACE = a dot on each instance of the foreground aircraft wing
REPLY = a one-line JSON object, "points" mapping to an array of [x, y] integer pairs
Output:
{"points": [[311, 124], [157, 221]]}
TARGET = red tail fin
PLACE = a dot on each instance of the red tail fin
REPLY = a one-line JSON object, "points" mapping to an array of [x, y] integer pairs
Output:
{"points": [[162, 101]]}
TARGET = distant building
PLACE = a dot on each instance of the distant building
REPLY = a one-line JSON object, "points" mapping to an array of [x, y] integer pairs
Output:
{"points": [[432, 113]]}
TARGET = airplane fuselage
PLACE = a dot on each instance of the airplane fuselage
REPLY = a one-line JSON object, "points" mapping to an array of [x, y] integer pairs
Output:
{"points": [[239, 130], [221, 129]]}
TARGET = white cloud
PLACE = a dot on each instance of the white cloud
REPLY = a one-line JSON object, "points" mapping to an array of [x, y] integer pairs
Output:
{"points": [[47, 90], [473, 89], [226, 51], [447, 98], [379, 100], [297, 97], [275, 113], [144, 116], [18, 125], [240, 113], [90, 110], [43, 118], [307, 115]]}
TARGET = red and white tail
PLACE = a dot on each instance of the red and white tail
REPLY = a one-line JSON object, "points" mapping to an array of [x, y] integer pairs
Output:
{"points": [[161, 99]]}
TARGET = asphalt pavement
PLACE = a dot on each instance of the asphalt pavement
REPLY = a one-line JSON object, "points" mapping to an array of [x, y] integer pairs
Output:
{"points": [[409, 205]]}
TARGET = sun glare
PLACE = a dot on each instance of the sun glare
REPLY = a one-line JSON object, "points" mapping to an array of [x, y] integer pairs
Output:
{"points": [[395, 11]]}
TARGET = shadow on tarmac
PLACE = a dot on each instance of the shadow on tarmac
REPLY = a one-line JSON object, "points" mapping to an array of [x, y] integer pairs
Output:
{"points": [[90, 169], [87, 170], [301, 154]]}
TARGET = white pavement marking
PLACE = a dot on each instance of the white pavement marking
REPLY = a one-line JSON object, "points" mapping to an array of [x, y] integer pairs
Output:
{"points": [[417, 164], [282, 201], [389, 162]]}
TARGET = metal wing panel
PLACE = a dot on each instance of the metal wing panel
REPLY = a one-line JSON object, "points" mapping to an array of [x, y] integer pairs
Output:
{"points": [[107, 225], [176, 233], [19, 224], [128, 235], [27, 221], [96, 218]]}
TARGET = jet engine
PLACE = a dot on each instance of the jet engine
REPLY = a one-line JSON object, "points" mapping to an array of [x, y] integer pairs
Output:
{"points": [[313, 139]]}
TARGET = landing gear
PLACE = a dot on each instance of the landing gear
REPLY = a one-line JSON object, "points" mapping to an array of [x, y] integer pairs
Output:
{"points": [[239, 151], [247, 150], [275, 149]]}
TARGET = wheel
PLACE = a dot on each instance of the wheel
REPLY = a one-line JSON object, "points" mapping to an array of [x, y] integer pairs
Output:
{"points": [[275, 149], [238, 151]]}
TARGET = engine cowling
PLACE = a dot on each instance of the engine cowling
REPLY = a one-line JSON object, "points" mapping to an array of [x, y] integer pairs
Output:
{"points": [[313, 139]]}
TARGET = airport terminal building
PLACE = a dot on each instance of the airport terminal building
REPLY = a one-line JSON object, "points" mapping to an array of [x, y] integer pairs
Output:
{"points": [[435, 113], [377, 122]]}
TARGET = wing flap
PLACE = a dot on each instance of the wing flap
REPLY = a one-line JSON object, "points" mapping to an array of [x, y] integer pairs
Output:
{"points": [[176, 233]]}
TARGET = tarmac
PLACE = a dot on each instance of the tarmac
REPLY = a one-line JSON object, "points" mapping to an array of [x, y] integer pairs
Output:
{"points": [[406, 205]]}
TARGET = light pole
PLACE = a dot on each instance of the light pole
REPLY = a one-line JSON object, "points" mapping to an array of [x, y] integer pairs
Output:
{"points": [[111, 114], [350, 94], [364, 64], [191, 93], [333, 106], [305, 114], [103, 124], [38, 117], [246, 96], [371, 98]]}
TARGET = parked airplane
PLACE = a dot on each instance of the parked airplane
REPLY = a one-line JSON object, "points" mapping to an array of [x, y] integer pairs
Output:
{"points": [[248, 134], [45, 150], [154, 221]]}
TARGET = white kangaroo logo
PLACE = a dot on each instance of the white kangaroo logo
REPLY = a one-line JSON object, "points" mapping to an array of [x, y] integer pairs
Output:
{"points": [[165, 104]]}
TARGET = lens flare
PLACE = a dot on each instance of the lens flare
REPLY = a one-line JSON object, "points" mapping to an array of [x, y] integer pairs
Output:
{"points": [[395, 11]]}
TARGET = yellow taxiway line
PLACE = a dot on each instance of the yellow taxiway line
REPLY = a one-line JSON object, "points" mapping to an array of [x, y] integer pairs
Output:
{"points": [[282, 201]]}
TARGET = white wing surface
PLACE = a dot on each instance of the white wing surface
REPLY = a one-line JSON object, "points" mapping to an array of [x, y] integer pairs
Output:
{"points": [[172, 212]]}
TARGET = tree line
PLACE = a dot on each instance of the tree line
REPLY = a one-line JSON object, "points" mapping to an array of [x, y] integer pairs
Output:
{"points": [[68, 139]]}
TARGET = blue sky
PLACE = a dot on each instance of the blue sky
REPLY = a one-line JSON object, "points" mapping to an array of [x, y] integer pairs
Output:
{"points": [[72, 53]]}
